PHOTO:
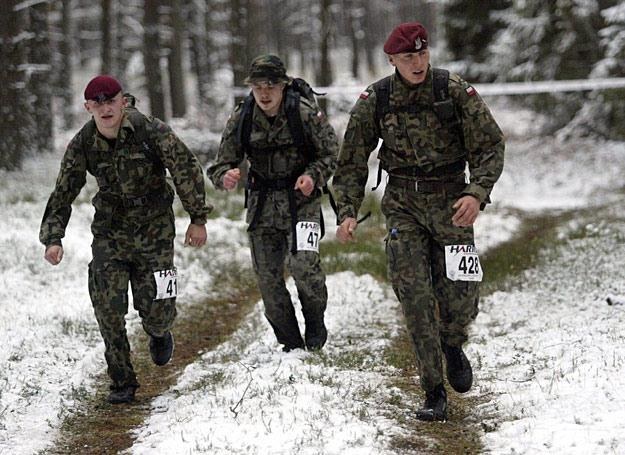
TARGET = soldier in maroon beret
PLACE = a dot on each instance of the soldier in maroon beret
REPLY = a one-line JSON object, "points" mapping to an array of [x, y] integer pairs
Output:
{"points": [[133, 226], [443, 152]]}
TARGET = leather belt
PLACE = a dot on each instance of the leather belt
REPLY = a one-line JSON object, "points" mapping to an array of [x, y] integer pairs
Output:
{"points": [[426, 186]]}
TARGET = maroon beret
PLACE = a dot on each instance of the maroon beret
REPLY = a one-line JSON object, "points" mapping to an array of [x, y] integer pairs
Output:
{"points": [[408, 37], [102, 88]]}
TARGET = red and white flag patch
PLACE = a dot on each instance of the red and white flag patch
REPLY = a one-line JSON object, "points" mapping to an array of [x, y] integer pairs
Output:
{"points": [[364, 95], [470, 91]]}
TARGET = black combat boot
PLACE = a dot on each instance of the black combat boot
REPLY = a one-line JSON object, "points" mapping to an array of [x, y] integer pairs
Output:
{"points": [[121, 395], [435, 405], [161, 348], [459, 372], [288, 347], [315, 335]]}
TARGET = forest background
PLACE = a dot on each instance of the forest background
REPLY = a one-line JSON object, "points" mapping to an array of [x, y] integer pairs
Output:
{"points": [[183, 57]]}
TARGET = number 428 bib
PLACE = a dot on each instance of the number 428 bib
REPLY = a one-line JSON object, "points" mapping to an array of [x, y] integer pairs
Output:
{"points": [[462, 263]]}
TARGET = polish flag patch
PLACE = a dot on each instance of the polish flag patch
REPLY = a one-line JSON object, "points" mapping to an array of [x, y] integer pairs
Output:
{"points": [[470, 91], [364, 95]]}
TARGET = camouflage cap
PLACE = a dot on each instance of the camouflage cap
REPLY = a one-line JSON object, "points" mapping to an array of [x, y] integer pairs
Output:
{"points": [[268, 68]]}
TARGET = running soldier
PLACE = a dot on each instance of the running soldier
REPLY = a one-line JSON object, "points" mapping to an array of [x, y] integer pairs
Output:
{"points": [[133, 226], [432, 124], [291, 149]]}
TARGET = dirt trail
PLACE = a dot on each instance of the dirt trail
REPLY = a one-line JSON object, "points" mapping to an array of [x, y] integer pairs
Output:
{"points": [[97, 427]]}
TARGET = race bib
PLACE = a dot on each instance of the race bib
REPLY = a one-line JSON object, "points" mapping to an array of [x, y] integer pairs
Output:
{"points": [[462, 263], [308, 235], [166, 284]]}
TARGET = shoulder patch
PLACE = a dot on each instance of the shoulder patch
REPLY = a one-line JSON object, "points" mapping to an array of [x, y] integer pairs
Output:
{"points": [[364, 95], [470, 90]]}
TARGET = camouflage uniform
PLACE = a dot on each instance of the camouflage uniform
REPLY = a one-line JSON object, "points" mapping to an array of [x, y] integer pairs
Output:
{"points": [[133, 226], [437, 310], [273, 157]]}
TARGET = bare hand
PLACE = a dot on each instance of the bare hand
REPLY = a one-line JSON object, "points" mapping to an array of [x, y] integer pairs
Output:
{"points": [[231, 178], [467, 210], [196, 235], [345, 232], [305, 184], [54, 254]]}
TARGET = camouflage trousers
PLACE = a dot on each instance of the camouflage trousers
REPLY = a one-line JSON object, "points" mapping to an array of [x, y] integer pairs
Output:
{"points": [[436, 309], [130, 252], [270, 249]]}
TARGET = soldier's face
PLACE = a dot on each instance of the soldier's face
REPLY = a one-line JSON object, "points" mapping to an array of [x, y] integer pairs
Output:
{"points": [[412, 66], [107, 114], [268, 96]]}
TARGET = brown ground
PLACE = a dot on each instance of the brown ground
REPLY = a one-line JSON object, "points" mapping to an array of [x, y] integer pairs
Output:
{"points": [[101, 428]]}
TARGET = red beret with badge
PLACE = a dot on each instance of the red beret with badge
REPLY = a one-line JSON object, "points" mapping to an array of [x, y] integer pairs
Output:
{"points": [[102, 88], [407, 37]]}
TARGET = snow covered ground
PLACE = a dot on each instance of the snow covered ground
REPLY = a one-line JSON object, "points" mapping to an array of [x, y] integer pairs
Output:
{"points": [[548, 353]]}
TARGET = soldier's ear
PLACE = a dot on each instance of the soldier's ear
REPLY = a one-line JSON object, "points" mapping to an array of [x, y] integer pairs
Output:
{"points": [[391, 60], [87, 107]]}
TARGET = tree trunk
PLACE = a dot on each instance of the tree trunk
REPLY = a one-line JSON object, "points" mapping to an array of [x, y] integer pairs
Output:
{"points": [[237, 45], [370, 42], [176, 72], [65, 72], [106, 42], [151, 59], [324, 76], [197, 18], [12, 135], [39, 86], [355, 33]]}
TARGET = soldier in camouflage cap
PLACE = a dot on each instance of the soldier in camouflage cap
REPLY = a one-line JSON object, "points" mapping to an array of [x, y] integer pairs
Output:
{"points": [[133, 226], [430, 207], [284, 185]]}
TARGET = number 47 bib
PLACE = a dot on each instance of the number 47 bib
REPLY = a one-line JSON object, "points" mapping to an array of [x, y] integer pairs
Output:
{"points": [[308, 234], [462, 263]]}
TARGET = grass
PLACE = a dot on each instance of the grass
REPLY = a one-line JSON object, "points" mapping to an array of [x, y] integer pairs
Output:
{"points": [[225, 204], [366, 254]]}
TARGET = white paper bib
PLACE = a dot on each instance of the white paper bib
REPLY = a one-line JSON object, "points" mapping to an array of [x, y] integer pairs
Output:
{"points": [[308, 235], [166, 284], [462, 263]]}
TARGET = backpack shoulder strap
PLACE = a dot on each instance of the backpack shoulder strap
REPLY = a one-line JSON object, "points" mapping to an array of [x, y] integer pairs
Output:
{"points": [[444, 105], [142, 135], [440, 84], [294, 118], [244, 125], [382, 90]]}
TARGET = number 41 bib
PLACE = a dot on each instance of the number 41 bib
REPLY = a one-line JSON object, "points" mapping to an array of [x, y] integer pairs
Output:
{"points": [[166, 284], [462, 263]]}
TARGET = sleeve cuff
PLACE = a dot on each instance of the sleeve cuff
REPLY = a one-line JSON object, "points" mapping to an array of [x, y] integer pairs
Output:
{"points": [[477, 191], [345, 212], [198, 220]]}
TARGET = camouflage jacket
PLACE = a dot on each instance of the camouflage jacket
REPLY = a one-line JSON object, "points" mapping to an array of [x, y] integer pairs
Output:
{"points": [[130, 177], [418, 139], [273, 155]]}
